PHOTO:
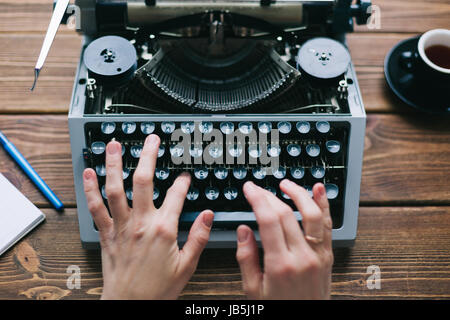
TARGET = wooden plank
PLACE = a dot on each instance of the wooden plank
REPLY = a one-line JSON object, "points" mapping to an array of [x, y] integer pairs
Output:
{"points": [[411, 246], [406, 160], [396, 15]]}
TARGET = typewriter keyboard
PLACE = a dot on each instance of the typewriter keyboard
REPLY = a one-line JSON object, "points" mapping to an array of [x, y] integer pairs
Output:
{"points": [[264, 152]]}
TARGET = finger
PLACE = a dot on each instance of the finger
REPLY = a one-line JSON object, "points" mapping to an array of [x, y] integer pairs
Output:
{"points": [[320, 197], [197, 240], [248, 259], [117, 200], [312, 218], [143, 176], [174, 201], [95, 202], [269, 224]]}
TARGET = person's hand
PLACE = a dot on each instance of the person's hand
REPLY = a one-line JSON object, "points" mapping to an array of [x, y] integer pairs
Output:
{"points": [[297, 264], [140, 254]]}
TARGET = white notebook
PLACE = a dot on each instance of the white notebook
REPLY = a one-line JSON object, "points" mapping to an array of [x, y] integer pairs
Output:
{"points": [[18, 215]]}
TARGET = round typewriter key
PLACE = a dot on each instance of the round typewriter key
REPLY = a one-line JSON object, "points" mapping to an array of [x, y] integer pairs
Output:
{"points": [[235, 150], [201, 173], [227, 127], [211, 193], [221, 173], [313, 150], [245, 127], [310, 191], [254, 151], [271, 189], [187, 127], [230, 193], [128, 127], [239, 173], [123, 150], [264, 127], [332, 191], [161, 151], [155, 193], [147, 127], [100, 169], [129, 194], [318, 172], [195, 151], [333, 146], [162, 173], [103, 191], [125, 173], [215, 151], [279, 173], [168, 127], [176, 151], [192, 194], [323, 126], [135, 151], [259, 173], [98, 147], [294, 150], [284, 127], [297, 172], [284, 195], [273, 150], [108, 127], [205, 127], [303, 127]]}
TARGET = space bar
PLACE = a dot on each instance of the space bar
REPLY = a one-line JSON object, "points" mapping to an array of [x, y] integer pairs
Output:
{"points": [[226, 220]]}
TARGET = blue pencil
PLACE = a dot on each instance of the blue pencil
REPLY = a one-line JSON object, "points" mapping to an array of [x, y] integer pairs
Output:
{"points": [[30, 172]]}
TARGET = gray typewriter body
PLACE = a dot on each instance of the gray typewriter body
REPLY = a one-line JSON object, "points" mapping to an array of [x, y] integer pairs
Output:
{"points": [[86, 121]]}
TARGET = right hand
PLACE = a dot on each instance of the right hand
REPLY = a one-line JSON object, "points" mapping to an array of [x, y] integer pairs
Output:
{"points": [[297, 264]]}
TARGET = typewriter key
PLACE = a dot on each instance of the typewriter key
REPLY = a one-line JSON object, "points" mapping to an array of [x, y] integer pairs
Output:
{"points": [[125, 173], [284, 195], [271, 189], [273, 150], [332, 191], [239, 173], [147, 127], [187, 127], [221, 173], [161, 151], [313, 150], [192, 194], [155, 193], [333, 146], [212, 193], [128, 127], [98, 147], [303, 127], [201, 173], [297, 172], [195, 151], [279, 173], [265, 127], [245, 127], [323, 126], [318, 172], [284, 127], [294, 150], [129, 194], [123, 150], [100, 169], [235, 150], [176, 151], [205, 127], [227, 127], [103, 192], [254, 151], [162, 173], [230, 193], [310, 191], [167, 127], [136, 151], [108, 127], [259, 173], [215, 151]]}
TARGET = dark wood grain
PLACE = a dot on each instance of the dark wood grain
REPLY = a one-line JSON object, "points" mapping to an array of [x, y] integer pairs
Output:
{"points": [[406, 159], [410, 245]]}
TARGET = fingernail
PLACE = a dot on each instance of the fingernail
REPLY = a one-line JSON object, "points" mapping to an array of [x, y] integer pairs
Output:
{"points": [[322, 190], [243, 235], [152, 139], [113, 148], [208, 218], [88, 174], [250, 186], [287, 183]]}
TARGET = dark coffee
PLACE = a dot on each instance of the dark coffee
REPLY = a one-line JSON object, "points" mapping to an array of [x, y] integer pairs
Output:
{"points": [[439, 55]]}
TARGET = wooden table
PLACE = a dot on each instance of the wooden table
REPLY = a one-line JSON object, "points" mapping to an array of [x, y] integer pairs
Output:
{"points": [[404, 224]]}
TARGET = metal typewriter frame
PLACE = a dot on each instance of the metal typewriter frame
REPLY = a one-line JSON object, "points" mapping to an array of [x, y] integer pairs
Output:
{"points": [[344, 236]]}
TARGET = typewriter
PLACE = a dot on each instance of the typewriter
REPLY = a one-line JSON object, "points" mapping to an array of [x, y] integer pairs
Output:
{"points": [[236, 90]]}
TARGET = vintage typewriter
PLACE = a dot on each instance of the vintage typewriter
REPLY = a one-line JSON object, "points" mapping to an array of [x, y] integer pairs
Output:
{"points": [[236, 90]]}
